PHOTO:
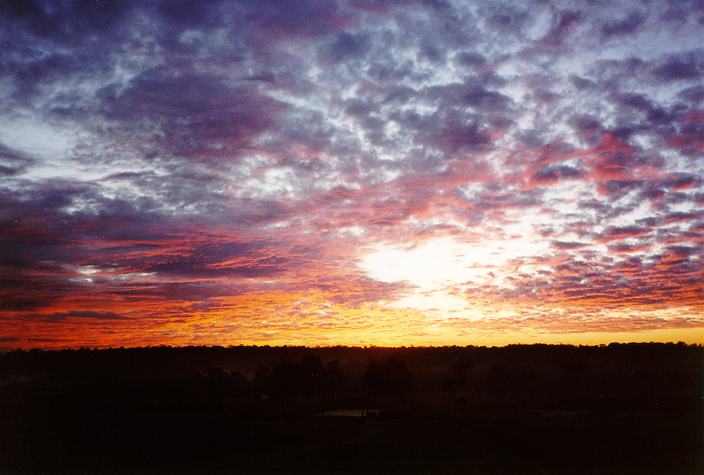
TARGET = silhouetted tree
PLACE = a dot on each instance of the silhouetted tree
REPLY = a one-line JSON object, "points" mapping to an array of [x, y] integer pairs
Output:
{"points": [[389, 378], [497, 380], [283, 380], [511, 382], [333, 378], [261, 384], [457, 380], [307, 378], [310, 373], [216, 383]]}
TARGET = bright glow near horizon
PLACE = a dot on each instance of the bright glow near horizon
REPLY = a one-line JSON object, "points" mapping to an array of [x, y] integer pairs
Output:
{"points": [[437, 269]]}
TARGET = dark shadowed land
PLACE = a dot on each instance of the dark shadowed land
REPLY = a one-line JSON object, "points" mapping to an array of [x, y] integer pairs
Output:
{"points": [[621, 408]]}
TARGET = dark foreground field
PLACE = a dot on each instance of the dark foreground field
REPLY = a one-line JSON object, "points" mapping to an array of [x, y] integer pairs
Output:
{"points": [[633, 408]]}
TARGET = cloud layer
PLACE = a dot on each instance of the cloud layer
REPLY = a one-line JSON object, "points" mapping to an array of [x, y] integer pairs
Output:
{"points": [[386, 172]]}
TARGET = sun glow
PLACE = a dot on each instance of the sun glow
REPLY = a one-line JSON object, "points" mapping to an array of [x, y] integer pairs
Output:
{"points": [[441, 270]]}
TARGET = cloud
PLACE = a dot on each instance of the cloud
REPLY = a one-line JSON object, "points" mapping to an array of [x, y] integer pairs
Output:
{"points": [[345, 46], [678, 68], [196, 116], [77, 314], [220, 170], [565, 245], [623, 232], [549, 174], [624, 25], [13, 162]]}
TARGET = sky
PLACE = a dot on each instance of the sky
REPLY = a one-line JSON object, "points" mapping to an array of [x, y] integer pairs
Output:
{"points": [[352, 172]]}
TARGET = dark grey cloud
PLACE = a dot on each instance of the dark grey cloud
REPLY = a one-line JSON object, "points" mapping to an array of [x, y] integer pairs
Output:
{"points": [[470, 59], [555, 173], [624, 25], [345, 46], [680, 67], [83, 314], [195, 115], [13, 162]]}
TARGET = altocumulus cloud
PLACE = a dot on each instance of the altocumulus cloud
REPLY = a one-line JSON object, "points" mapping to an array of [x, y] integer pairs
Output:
{"points": [[216, 172]]}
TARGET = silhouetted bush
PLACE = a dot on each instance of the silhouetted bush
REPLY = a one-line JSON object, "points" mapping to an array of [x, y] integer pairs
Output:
{"points": [[307, 378], [388, 378]]}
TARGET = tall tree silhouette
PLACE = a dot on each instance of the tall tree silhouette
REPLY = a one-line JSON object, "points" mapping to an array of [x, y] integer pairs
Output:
{"points": [[333, 378], [457, 381], [389, 378]]}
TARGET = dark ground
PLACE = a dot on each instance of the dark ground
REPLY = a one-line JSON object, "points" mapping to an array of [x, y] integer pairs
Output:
{"points": [[633, 408]]}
